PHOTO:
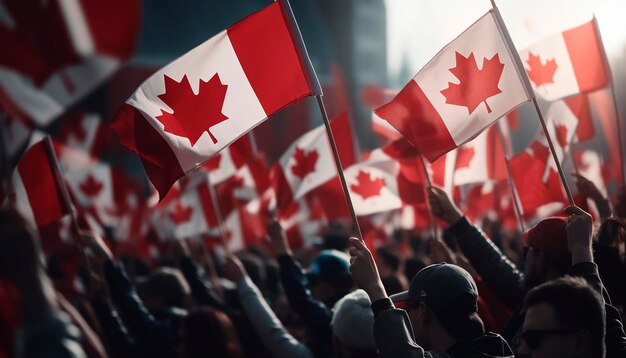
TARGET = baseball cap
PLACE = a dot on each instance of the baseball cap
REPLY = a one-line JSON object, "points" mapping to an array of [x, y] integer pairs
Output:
{"points": [[550, 236], [329, 264], [443, 287]]}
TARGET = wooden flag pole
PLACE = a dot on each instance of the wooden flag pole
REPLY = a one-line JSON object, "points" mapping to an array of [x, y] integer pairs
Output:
{"points": [[531, 94], [514, 197], [66, 198], [570, 198], [433, 220], [218, 215], [342, 179], [516, 204]]}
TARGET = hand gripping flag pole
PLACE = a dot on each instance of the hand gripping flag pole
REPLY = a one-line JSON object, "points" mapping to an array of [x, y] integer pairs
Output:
{"points": [[318, 95], [524, 76]]}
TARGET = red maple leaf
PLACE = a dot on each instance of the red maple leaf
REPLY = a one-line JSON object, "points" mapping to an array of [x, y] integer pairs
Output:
{"points": [[561, 134], [181, 214], [193, 114], [540, 73], [475, 85], [464, 156], [305, 162], [367, 187], [91, 187]]}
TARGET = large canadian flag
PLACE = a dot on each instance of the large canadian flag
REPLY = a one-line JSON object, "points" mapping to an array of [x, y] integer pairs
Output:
{"points": [[191, 109], [36, 192], [57, 51], [474, 80], [567, 63]]}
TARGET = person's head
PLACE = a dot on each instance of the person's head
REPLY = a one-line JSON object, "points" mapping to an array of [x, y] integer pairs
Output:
{"points": [[208, 332], [164, 288], [442, 306], [546, 251], [353, 326], [563, 318], [329, 276]]}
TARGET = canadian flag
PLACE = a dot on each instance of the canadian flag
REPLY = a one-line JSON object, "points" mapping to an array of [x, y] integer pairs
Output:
{"points": [[532, 190], [303, 223], [60, 51], [36, 192], [83, 138], [481, 159], [384, 130], [309, 162], [386, 181], [567, 63], [561, 124], [468, 85], [589, 164], [228, 161], [191, 109], [247, 185], [581, 109], [190, 214]]}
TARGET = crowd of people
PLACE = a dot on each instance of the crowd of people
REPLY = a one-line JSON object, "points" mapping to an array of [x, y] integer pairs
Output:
{"points": [[557, 291]]}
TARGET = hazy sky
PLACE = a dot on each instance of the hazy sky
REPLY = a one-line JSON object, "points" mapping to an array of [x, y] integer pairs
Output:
{"points": [[418, 29]]}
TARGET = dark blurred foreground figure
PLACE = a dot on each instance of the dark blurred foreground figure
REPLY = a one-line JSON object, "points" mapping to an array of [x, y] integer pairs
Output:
{"points": [[45, 331], [209, 332], [564, 318]]}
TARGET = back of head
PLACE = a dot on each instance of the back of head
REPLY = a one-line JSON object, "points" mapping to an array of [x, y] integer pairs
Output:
{"points": [[550, 237], [167, 284], [209, 332], [451, 293], [576, 305], [353, 322], [332, 266]]}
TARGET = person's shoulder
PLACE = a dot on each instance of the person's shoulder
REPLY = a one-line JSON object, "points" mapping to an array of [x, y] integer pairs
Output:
{"points": [[488, 345]]}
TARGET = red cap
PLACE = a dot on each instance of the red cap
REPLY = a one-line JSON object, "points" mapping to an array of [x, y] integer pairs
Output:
{"points": [[550, 236]]}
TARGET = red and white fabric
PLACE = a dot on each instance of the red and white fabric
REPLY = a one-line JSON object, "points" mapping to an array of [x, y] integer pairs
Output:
{"points": [[60, 51], [309, 162], [387, 180], [481, 159], [36, 191], [603, 104], [567, 63], [561, 124], [228, 161], [189, 110], [83, 138], [469, 84], [190, 214], [581, 109]]}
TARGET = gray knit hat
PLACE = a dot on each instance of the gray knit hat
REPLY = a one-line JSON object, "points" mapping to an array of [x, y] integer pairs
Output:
{"points": [[353, 321]]}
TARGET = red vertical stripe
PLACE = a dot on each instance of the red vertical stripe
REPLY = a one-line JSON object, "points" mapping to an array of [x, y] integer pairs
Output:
{"points": [[269, 58], [204, 194], [412, 114], [284, 195], [38, 177], [587, 56], [579, 105], [241, 150], [157, 157]]}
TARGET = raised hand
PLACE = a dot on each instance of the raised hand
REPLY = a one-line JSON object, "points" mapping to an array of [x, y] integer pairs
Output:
{"points": [[442, 207], [364, 270], [579, 234], [233, 269], [278, 238]]}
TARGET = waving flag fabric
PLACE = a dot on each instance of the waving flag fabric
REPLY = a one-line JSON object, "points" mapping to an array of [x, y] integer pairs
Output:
{"points": [[474, 80], [189, 110]]}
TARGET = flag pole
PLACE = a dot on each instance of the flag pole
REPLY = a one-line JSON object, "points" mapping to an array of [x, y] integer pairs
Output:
{"points": [[531, 93], [218, 215], [570, 198], [342, 179], [433, 221], [514, 197], [65, 194]]}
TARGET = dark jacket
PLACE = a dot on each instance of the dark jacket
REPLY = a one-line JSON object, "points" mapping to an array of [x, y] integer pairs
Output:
{"points": [[505, 280], [394, 338], [315, 314], [155, 336], [205, 295]]}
